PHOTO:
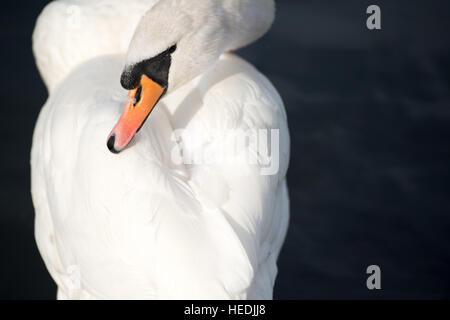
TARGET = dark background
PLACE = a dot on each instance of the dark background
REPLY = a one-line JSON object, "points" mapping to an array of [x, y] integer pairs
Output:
{"points": [[369, 117]]}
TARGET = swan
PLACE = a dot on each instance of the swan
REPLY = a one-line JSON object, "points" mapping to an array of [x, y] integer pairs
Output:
{"points": [[138, 90]]}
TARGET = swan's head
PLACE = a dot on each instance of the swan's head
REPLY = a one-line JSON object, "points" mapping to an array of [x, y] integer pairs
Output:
{"points": [[173, 43]]}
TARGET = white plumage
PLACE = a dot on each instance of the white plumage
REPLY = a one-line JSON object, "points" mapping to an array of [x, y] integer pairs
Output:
{"points": [[137, 225]]}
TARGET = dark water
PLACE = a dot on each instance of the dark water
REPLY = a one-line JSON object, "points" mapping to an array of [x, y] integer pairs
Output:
{"points": [[369, 115]]}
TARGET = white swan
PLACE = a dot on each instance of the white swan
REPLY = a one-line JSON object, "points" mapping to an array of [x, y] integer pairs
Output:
{"points": [[137, 224]]}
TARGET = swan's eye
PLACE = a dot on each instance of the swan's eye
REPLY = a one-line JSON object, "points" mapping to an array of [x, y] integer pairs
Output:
{"points": [[137, 96]]}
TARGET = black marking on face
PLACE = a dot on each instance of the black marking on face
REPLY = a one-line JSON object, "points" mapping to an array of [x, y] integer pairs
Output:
{"points": [[156, 68], [137, 96]]}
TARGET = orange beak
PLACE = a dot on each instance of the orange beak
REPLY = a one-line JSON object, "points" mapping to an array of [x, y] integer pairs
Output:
{"points": [[141, 102]]}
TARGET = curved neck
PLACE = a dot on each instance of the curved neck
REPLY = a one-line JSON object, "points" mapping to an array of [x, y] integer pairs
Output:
{"points": [[247, 20]]}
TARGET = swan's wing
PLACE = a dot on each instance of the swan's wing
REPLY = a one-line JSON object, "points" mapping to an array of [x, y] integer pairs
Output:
{"points": [[251, 195], [70, 32], [44, 233]]}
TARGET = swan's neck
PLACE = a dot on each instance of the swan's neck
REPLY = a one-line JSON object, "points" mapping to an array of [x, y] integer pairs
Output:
{"points": [[247, 20]]}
